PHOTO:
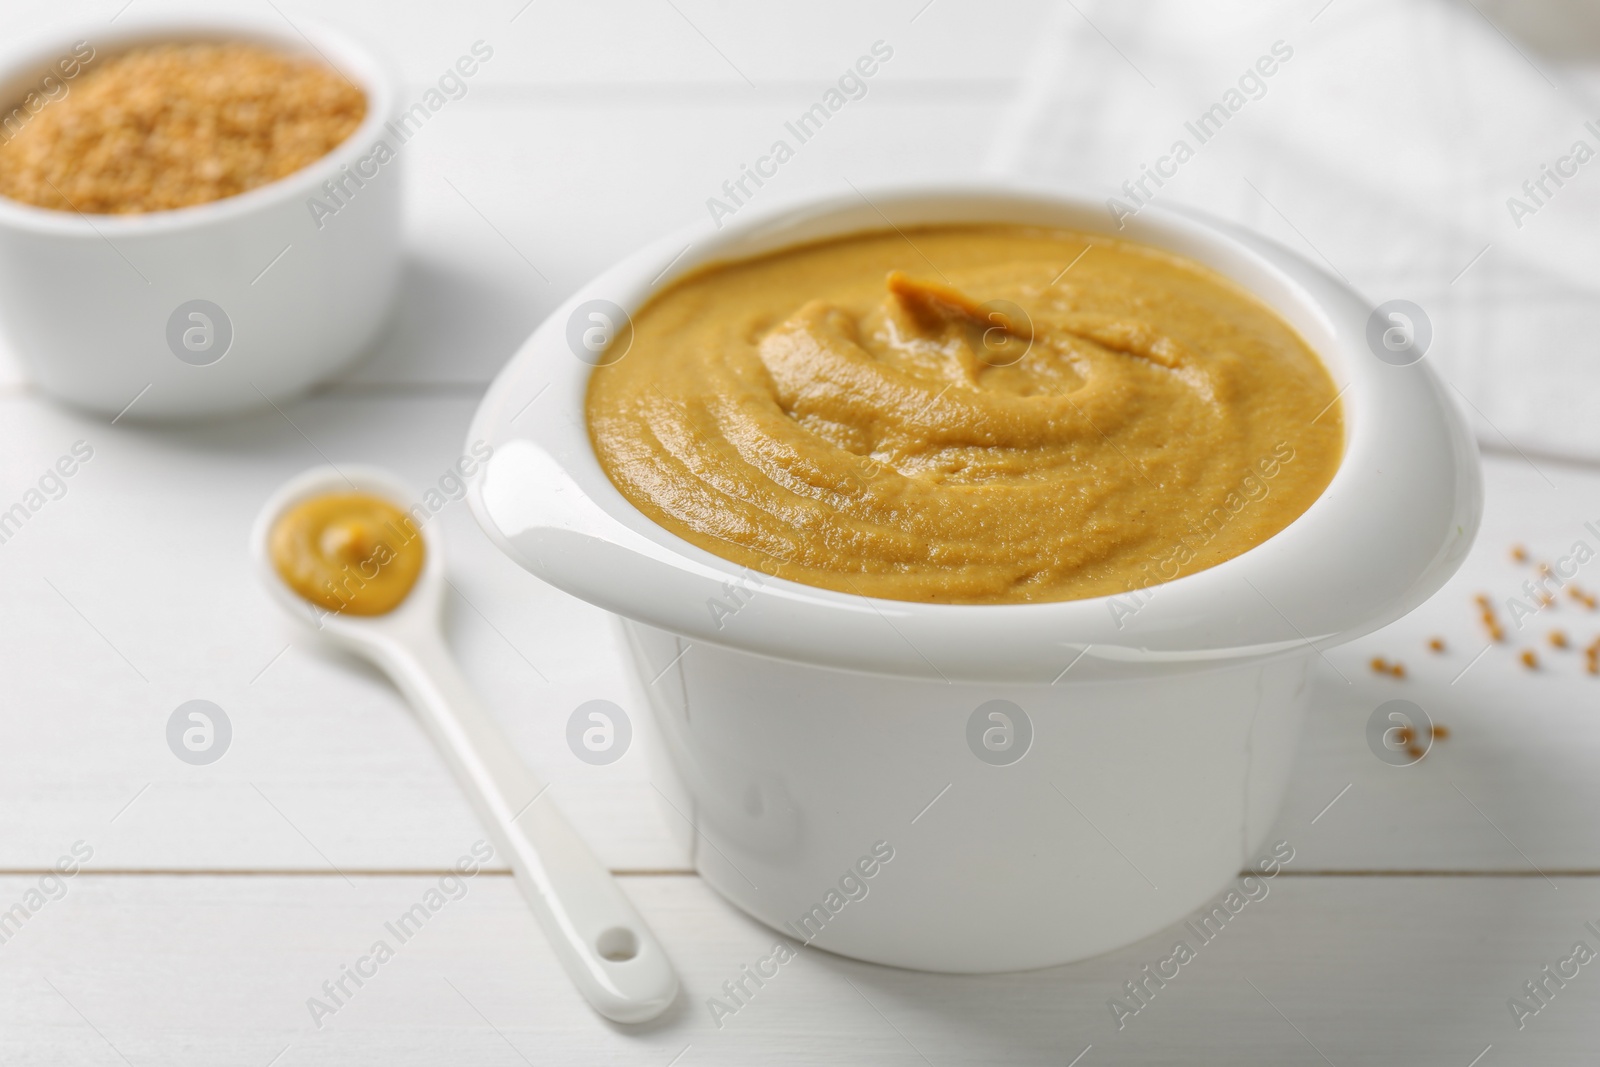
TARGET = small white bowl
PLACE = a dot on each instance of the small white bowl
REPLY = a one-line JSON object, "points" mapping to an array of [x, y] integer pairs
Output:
{"points": [[101, 309], [1140, 758]]}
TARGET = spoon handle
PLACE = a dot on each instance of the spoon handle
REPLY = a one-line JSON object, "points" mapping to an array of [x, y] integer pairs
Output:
{"points": [[604, 944]]}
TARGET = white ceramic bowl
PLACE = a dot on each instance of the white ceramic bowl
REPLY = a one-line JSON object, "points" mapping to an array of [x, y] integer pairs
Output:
{"points": [[99, 307], [810, 725]]}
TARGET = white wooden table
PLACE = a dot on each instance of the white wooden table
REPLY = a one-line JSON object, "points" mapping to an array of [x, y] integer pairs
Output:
{"points": [[219, 898]]}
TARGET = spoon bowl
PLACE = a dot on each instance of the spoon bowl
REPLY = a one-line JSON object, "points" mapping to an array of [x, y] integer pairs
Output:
{"points": [[423, 605]]}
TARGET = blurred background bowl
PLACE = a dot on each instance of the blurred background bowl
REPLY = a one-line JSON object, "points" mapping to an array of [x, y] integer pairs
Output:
{"points": [[217, 307]]}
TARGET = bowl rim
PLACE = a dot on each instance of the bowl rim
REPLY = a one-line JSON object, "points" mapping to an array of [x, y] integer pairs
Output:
{"points": [[1388, 530], [24, 60]]}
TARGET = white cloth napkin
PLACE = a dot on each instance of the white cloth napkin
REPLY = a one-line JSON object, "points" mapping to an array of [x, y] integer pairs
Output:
{"points": [[1388, 143]]}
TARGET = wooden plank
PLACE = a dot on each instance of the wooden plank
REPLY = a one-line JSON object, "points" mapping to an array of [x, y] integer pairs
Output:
{"points": [[595, 128], [511, 206], [623, 41], [146, 556], [511, 203], [212, 970], [706, 41], [133, 594]]}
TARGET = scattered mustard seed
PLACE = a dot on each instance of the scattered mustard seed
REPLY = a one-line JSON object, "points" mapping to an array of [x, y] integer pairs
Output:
{"points": [[1487, 616]]}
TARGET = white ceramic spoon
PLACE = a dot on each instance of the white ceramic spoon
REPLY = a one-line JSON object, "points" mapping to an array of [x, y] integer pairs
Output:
{"points": [[609, 952]]}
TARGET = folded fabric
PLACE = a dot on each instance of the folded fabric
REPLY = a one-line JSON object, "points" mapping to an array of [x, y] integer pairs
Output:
{"points": [[1414, 147]]}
